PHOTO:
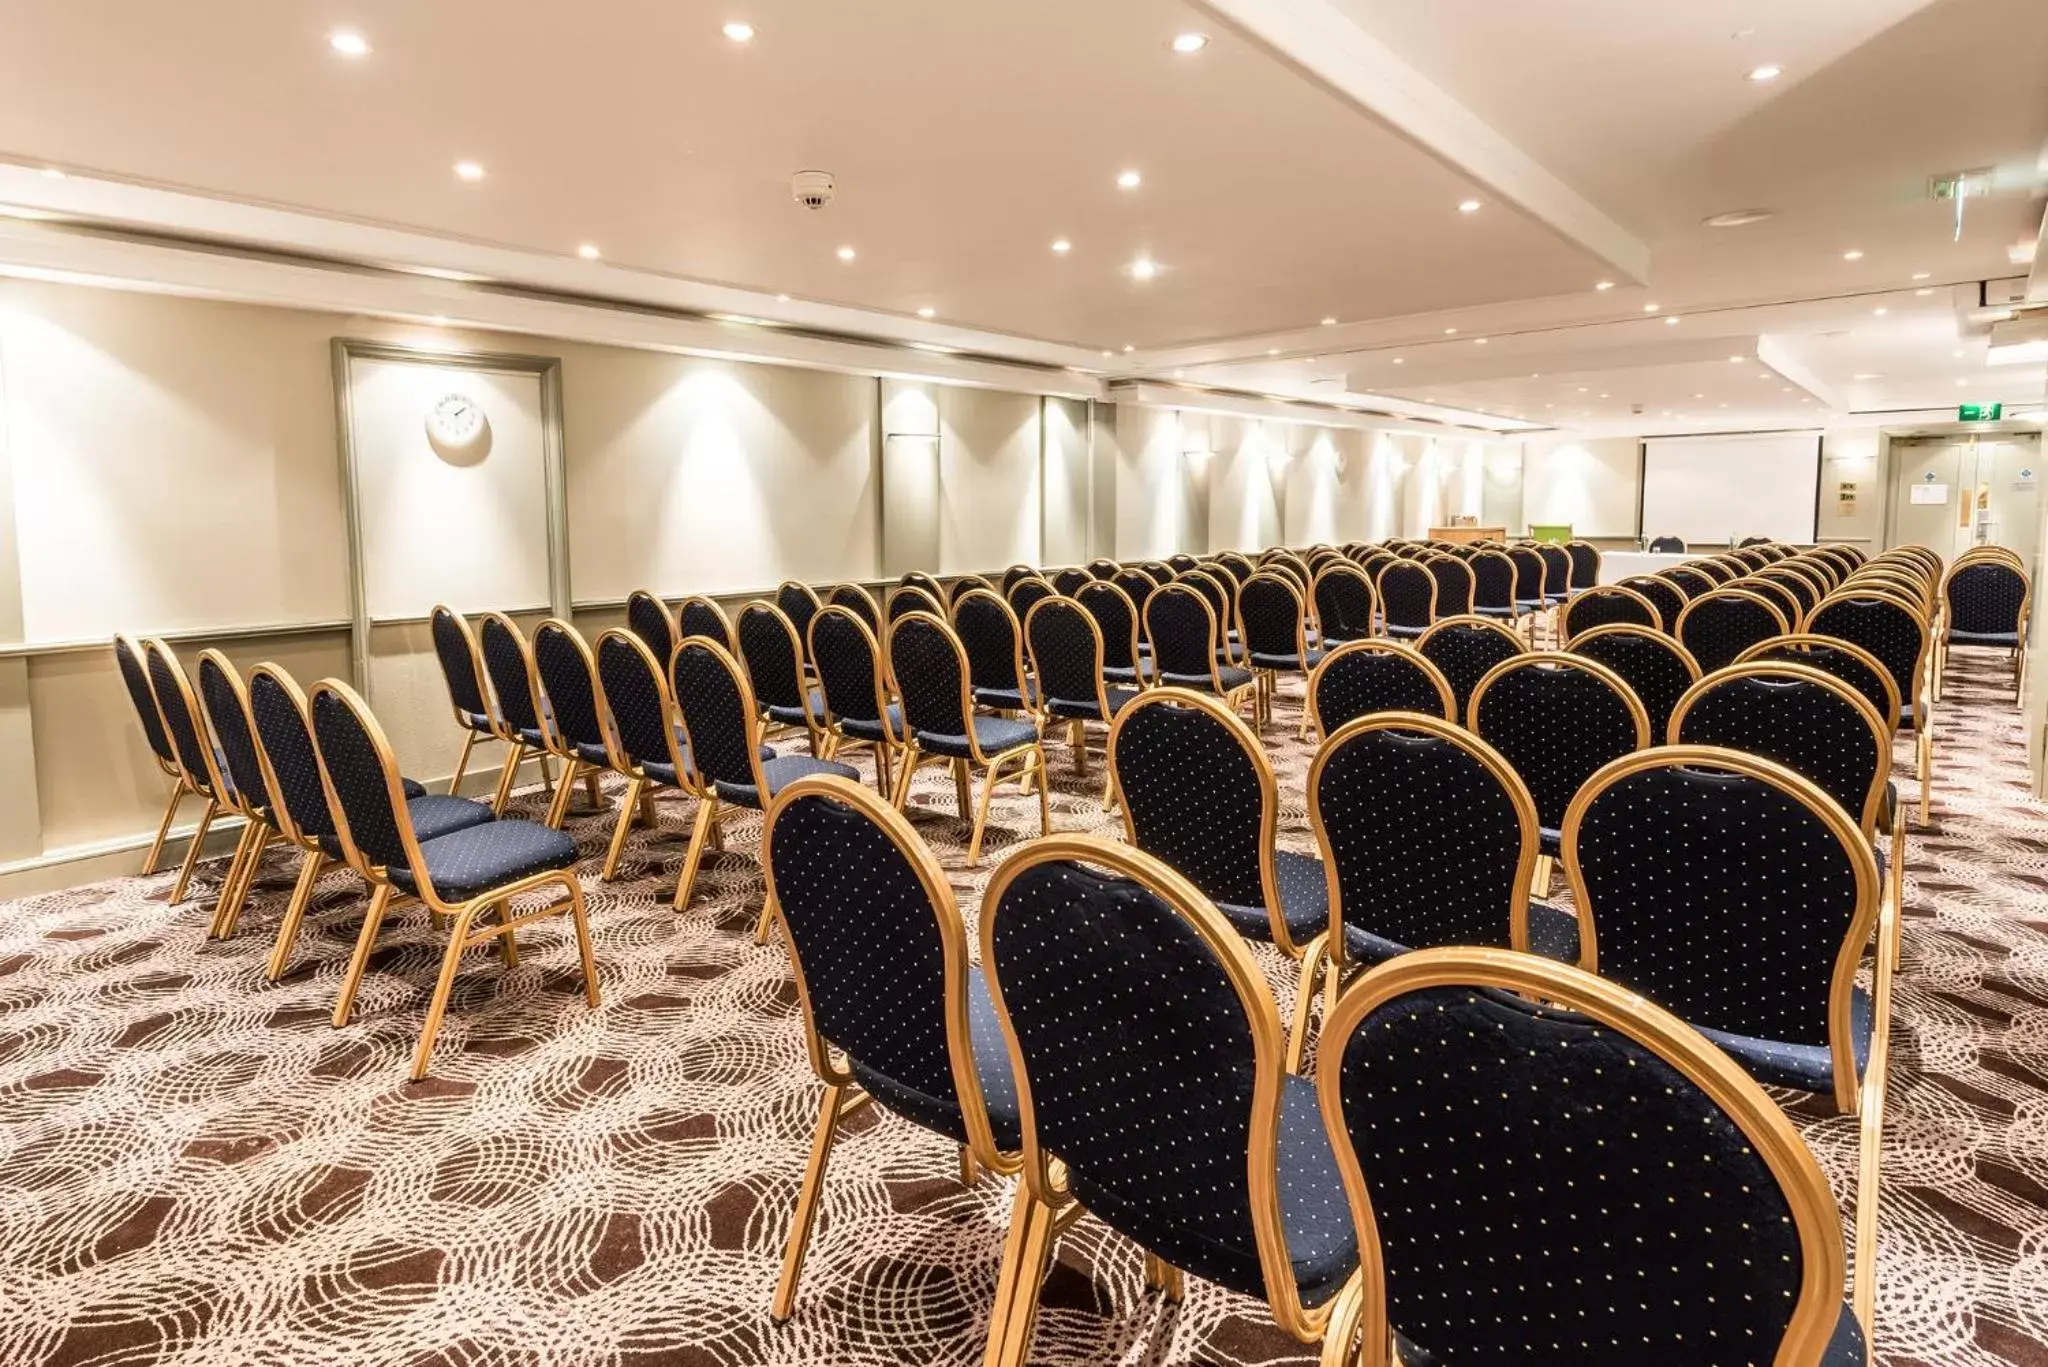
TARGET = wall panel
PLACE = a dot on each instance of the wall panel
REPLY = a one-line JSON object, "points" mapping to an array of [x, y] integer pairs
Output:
{"points": [[989, 480]]}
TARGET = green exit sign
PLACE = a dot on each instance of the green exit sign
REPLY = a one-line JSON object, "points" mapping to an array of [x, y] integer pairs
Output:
{"points": [[1980, 412]]}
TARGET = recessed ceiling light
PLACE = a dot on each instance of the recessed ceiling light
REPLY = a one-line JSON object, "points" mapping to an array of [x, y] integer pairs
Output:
{"points": [[1736, 360], [1603, 396], [1329, 322], [1961, 383], [1879, 312], [469, 170], [1739, 218], [1604, 285], [927, 312], [1109, 353], [439, 320], [1584, 390], [1853, 254], [1468, 206], [1178, 374], [740, 31], [1450, 332], [1273, 351], [1144, 268], [1922, 275], [847, 253], [1129, 180], [1651, 308], [1699, 396], [1190, 42], [52, 173], [1761, 74], [1672, 321], [782, 299], [1312, 360], [1868, 375], [1061, 246], [588, 252], [349, 43], [1128, 348], [1923, 293], [1400, 360]]}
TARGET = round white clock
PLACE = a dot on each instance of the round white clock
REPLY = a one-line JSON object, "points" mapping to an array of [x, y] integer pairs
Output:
{"points": [[456, 422]]}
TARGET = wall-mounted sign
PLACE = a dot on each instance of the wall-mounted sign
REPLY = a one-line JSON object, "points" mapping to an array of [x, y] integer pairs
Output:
{"points": [[1980, 412], [1930, 493]]}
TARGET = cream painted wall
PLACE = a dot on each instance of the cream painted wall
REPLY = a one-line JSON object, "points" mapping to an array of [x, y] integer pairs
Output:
{"points": [[1249, 455], [1856, 458], [989, 480], [1151, 483], [1069, 484], [1594, 485]]}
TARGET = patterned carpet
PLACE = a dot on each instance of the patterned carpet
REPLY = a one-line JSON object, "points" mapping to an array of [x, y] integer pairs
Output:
{"points": [[194, 1168]]}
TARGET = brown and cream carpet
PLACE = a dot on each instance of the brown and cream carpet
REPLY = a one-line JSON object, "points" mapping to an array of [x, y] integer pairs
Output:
{"points": [[196, 1169]]}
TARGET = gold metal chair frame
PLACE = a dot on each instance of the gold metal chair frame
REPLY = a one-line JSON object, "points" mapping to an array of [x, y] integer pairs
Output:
{"points": [[1024, 763], [463, 916], [1727, 593], [925, 604], [517, 747], [729, 638], [1923, 681], [1233, 698], [1345, 569], [1597, 592], [1359, 1334], [1017, 662], [1266, 681], [813, 728], [843, 1094], [257, 830], [856, 592], [483, 691], [574, 766], [1379, 591], [1777, 595], [640, 788], [1044, 1207], [1969, 559], [885, 749], [1077, 735], [170, 768], [210, 785], [1399, 650], [1138, 667]]}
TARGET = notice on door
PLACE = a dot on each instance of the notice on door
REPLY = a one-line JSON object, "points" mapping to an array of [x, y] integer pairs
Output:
{"points": [[1930, 493]]}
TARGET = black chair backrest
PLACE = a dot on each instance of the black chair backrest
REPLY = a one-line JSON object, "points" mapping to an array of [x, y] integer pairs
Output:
{"points": [[1137, 585], [1429, 835], [848, 663], [924, 583], [227, 715], [1839, 659], [1182, 628], [1718, 626], [1557, 719], [1810, 722], [1530, 573], [1750, 915], [1015, 573], [174, 695], [1465, 650], [1778, 595], [1026, 594], [287, 740], [1236, 566], [774, 657], [699, 616], [1195, 794], [568, 674], [857, 601], [1801, 588], [1606, 604], [1585, 564], [1547, 1119], [1985, 597], [799, 603], [1655, 667], [1117, 615], [905, 598], [1269, 606], [1557, 568], [1182, 562], [1663, 595], [1667, 545], [995, 646], [966, 584], [930, 667], [648, 618], [1364, 677], [1102, 567], [1493, 580], [461, 666], [637, 695], [717, 707], [135, 677], [1717, 570], [1691, 580], [364, 783], [1407, 593], [1454, 585], [1067, 647], [1343, 602], [1888, 629], [1067, 581], [511, 671], [1218, 589]]}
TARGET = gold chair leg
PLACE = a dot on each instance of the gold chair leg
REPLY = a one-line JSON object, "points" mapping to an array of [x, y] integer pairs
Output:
{"points": [[988, 791], [764, 924], [806, 1216], [1026, 1255], [1870, 1136], [461, 764], [558, 810], [885, 772], [1161, 1275], [508, 944], [507, 777], [647, 806], [230, 880], [906, 770], [1315, 962], [192, 854], [310, 869], [1924, 743], [1040, 768], [579, 920], [359, 961], [547, 773], [970, 1168], [228, 914], [700, 829], [963, 791], [163, 830], [1077, 741], [592, 789], [635, 788], [451, 960]]}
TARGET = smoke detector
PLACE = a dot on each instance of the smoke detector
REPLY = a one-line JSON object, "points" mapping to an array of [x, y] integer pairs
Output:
{"points": [[812, 189]]}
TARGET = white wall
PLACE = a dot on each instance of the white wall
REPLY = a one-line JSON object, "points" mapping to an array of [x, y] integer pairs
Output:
{"points": [[1592, 485], [989, 480]]}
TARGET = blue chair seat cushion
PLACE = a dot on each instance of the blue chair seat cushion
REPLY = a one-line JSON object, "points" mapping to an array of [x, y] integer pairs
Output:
{"points": [[1304, 901], [779, 773], [1321, 1243], [2008, 639], [1550, 841], [1076, 709], [1530, 604], [433, 816], [991, 1063], [994, 734], [1230, 654], [592, 752], [1503, 611], [1405, 631], [412, 788], [475, 721], [474, 861], [1229, 676], [1845, 1349], [1806, 1067], [1290, 661], [794, 716], [1128, 674], [1008, 699], [873, 728], [1553, 933]]}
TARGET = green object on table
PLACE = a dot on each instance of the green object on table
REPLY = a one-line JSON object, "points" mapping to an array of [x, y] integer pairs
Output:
{"points": [[1559, 532]]}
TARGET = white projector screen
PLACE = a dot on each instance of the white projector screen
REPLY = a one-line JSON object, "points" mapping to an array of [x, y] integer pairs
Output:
{"points": [[1714, 490]]}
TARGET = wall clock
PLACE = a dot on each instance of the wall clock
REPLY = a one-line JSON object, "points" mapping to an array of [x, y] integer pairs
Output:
{"points": [[456, 423]]}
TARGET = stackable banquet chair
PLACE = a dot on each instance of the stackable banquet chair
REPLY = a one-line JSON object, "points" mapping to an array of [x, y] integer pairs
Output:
{"points": [[1805, 585], [1516, 1136], [1219, 590], [967, 583], [906, 598], [1364, 677], [1182, 562], [1585, 565], [1069, 580], [468, 876], [1718, 626], [1454, 585], [135, 677], [1663, 595], [1464, 650], [1068, 651], [1604, 605], [1721, 571], [301, 811], [701, 616], [1236, 565], [641, 715], [1557, 572], [1126, 659], [1779, 595], [198, 761], [1532, 595], [1137, 585], [1188, 649], [1026, 594], [1985, 601], [1557, 719], [1841, 659], [1667, 545], [923, 583], [1690, 580], [928, 669], [893, 1010], [1015, 573], [857, 601], [857, 706], [1748, 923], [224, 705], [775, 670], [649, 618], [1276, 636], [721, 746], [994, 643], [577, 734], [1407, 596], [1343, 601], [799, 603], [1897, 634], [462, 669], [521, 713], [1102, 567], [1153, 1092], [1654, 666]]}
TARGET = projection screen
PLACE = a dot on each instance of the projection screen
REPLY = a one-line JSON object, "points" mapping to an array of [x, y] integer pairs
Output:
{"points": [[1721, 489]]}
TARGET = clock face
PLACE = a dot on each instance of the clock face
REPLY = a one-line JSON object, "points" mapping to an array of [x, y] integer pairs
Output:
{"points": [[455, 421]]}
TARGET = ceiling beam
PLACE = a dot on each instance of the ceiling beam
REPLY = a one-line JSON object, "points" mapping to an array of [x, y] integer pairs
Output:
{"points": [[1466, 369], [1330, 46]]}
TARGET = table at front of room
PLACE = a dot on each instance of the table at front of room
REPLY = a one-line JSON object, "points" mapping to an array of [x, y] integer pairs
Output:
{"points": [[1616, 566]]}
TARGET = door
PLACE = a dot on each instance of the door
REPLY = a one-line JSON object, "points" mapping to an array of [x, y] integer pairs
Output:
{"points": [[1952, 493]]}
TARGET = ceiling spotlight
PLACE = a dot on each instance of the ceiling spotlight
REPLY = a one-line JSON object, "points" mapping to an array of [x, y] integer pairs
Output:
{"points": [[1144, 268], [1868, 375], [588, 252], [349, 44], [740, 31], [1329, 322], [1923, 293], [927, 312], [1109, 353], [1735, 360], [1761, 74], [1061, 246], [1129, 180], [1450, 332], [1469, 206], [1604, 285], [1128, 348], [1179, 374], [782, 299], [469, 170], [1921, 275], [1651, 308], [1672, 321], [1273, 351], [439, 320], [1879, 312], [847, 253], [1400, 360], [1853, 254], [1739, 218], [52, 173], [1190, 42], [1479, 341]]}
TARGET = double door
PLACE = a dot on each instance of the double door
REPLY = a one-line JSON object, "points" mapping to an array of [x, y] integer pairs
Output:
{"points": [[1952, 493]]}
